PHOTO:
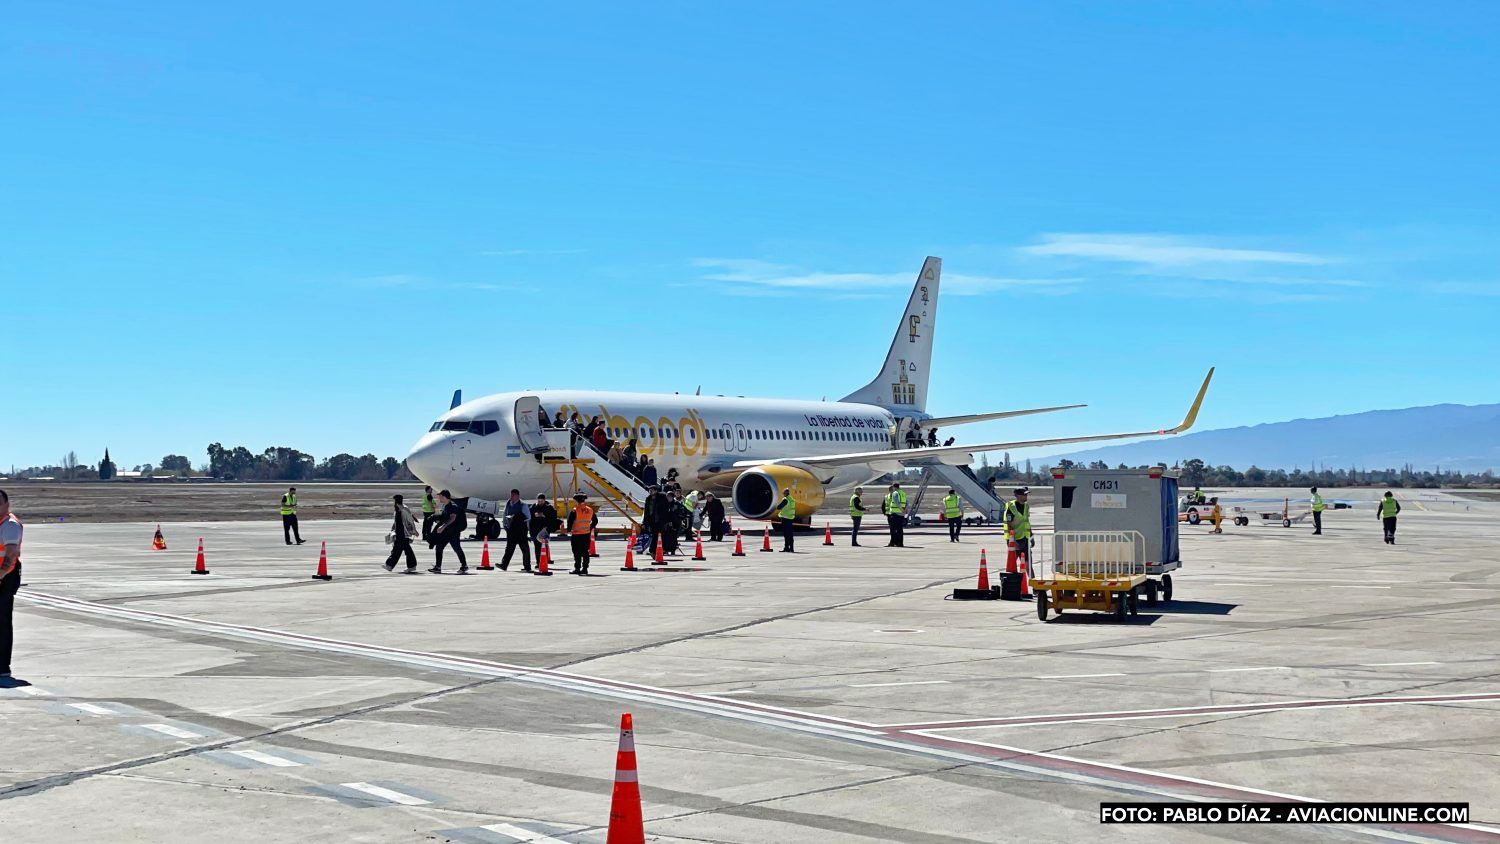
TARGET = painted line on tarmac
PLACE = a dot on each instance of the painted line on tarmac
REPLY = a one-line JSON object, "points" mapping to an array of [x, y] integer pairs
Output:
{"points": [[522, 836], [1187, 711], [92, 709], [907, 683], [387, 794], [907, 738], [1253, 668], [1077, 676], [266, 758], [169, 730], [1393, 664]]}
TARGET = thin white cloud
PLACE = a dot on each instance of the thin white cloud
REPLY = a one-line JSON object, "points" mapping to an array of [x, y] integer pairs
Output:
{"points": [[1160, 251], [399, 281], [1466, 288], [742, 274]]}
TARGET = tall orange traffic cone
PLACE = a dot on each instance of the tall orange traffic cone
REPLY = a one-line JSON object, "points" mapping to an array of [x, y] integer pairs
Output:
{"points": [[1010, 556], [660, 557], [323, 564], [698, 551], [765, 544], [158, 542], [626, 825], [199, 567], [984, 571], [739, 545], [1025, 566], [544, 559], [484, 559], [593, 543], [827, 534], [629, 554]]}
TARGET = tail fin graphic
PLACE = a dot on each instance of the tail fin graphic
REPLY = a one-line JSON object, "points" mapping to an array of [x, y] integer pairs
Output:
{"points": [[901, 384], [458, 399]]}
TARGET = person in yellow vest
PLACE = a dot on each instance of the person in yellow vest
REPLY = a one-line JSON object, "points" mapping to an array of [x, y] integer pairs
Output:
{"points": [[856, 514], [429, 513], [10, 582], [894, 507], [1317, 511], [786, 511], [1018, 522], [581, 523], [289, 516], [954, 513], [1386, 512], [1217, 515]]}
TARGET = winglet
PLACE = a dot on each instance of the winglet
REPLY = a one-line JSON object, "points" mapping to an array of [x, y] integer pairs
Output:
{"points": [[1192, 415]]}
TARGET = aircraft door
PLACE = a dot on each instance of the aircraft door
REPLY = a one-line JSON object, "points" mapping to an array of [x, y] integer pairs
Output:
{"points": [[528, 426], [741, 438], [726, 436]]}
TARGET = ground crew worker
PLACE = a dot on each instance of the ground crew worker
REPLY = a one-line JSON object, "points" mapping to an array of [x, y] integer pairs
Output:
{"points": [[1197, 497], [1217, 515], [1387, 511], [402, 530], [894, 507], [289, 516], [1018, 523], [856, 513], [786, 511], [954, 513], [449, 533], [516, 520], [581, 524], [695, 520], [10, 582], [429, 512], [1317, 511]]}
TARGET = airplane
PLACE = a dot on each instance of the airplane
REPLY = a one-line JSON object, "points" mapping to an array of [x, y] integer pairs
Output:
{"points": [[750, 449]]}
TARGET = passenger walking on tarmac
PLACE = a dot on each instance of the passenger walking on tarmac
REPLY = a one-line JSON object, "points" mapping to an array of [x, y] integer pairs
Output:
{"points": [[894, 507], [1018, 523], [932, 437], [856, 513], [449, 533], [714, 509], [1217, 515], [516, 518], [429, 512], [650, 518], [10, 583], [581, 524], [402, 531], [1387, 511], [1317, 511], [289, 516], [543, 522], [786, 511], [954, 513], [676, 520]]}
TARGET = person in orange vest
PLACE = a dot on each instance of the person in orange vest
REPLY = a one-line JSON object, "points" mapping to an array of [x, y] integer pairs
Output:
{"points": [[581, 524]]}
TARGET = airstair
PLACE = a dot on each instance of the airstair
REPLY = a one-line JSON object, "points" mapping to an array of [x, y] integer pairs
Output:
{"points": [[576, 467], [963, 481]]}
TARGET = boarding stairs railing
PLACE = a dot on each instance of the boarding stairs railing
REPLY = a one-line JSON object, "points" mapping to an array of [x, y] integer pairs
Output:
{"points": [[578, 467]]}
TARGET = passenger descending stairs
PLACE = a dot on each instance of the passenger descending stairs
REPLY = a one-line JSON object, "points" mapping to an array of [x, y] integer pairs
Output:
{"points": [[591, 474]]}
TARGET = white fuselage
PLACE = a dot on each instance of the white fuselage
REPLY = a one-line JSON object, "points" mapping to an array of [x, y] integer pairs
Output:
{"points": [[699, 436]]}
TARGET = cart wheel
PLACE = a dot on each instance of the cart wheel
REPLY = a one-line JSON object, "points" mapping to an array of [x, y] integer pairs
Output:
{"points": [[1243, 521], [1151, 593], [1135, 601], [1119, 606], [1041, 605], [1166, 588], [1193, 517]]}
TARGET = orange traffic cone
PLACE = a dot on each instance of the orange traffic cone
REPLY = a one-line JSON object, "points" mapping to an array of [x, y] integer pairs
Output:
{"points": [[827, 534], [739, 545], [199, 567], [158, 542], [765, 544], [484, 559], [1010, 556], [984, 571], [593, 543], [626, 825], [544, 559], [629, 554], [660, 557], [323, 564], [1024, 566], [698, 551]]}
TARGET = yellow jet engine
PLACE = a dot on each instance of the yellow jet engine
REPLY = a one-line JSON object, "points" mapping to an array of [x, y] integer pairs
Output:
{"points": [[757, 491]]}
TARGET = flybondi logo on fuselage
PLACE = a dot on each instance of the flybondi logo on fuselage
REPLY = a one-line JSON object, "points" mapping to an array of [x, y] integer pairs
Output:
{"points": [[660, 436]]}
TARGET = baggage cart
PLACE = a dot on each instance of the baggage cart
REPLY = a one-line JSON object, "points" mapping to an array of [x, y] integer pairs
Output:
{"points": [[1097, 571]]}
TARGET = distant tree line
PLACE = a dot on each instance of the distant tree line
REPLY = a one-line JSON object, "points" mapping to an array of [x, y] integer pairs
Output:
{"points": [[277, 463], [1195, 472]]}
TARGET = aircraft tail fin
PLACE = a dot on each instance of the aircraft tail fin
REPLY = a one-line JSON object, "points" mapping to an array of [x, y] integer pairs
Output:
{"points": [[901, 384]]}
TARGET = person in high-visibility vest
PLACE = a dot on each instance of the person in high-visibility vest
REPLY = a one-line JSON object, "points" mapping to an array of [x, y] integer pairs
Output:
{"points": [[1217, 515], [954, 513], [786, 511], [289, 516], [894, 507], [856, 514], [1018, 522], [1386, 512], [581, 524], [429, 512], [1317, 511]]}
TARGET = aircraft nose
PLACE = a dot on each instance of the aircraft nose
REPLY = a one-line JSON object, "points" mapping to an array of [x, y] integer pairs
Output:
{"points": [[428, 459]]}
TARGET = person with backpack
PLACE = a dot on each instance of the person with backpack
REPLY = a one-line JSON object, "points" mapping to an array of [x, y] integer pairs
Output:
{"points": [[543, 522], [402, 531], [449, 533]]}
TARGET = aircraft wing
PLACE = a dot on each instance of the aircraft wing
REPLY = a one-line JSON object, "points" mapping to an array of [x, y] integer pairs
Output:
{"points": [[949, 421], [961, 454]]}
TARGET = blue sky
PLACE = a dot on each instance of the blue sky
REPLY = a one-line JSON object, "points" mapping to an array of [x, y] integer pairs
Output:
{"points": [[305, 224]]}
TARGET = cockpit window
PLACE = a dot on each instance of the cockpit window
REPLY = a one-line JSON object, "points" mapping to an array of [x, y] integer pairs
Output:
{"points": [[484, 427]]}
